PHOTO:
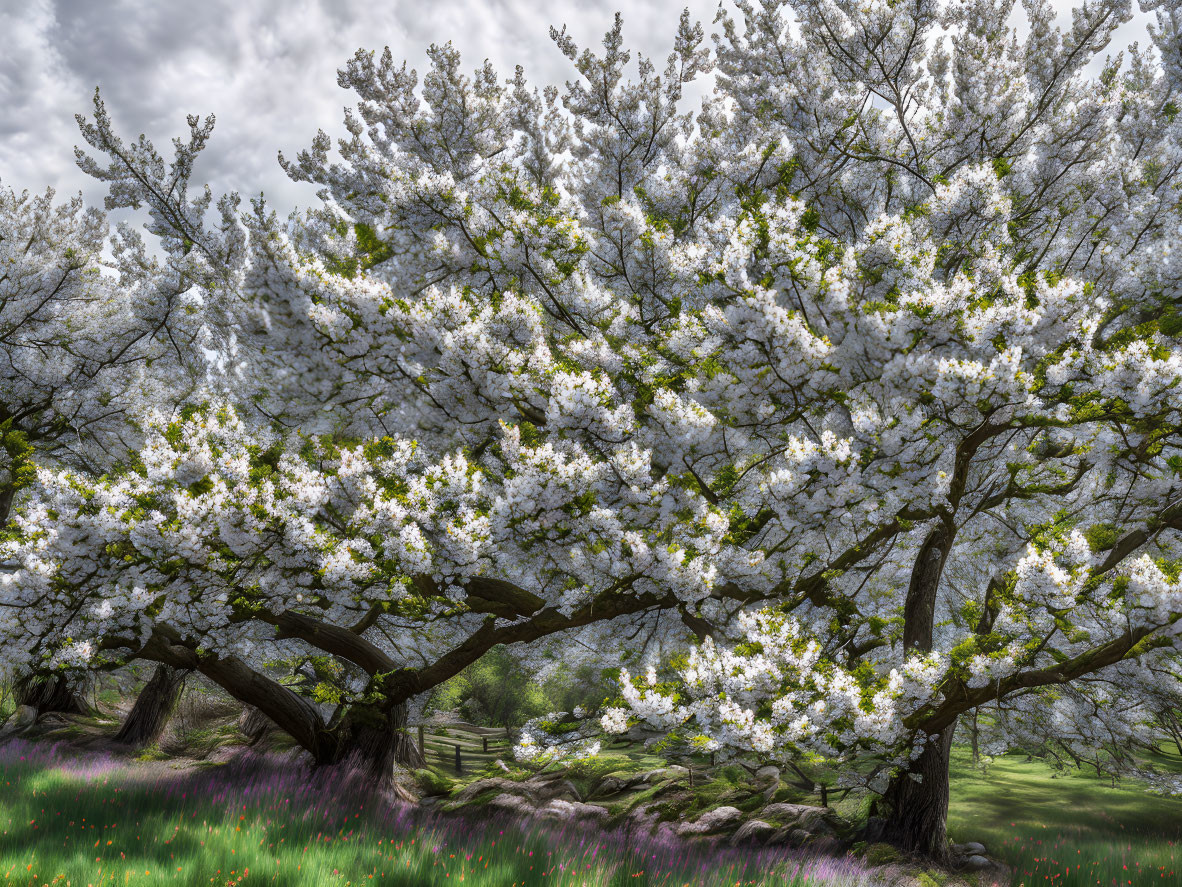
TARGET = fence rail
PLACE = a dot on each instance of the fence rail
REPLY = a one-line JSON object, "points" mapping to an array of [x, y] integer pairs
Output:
{"points": [[463, 746]]}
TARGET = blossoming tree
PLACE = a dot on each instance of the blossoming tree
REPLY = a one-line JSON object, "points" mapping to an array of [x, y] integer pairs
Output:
{"points": [[866, 375], [94, 332]]}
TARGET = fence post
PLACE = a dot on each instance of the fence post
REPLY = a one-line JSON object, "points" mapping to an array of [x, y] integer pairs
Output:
{"points": [[422, 743], [459, 765], [484, 739]]}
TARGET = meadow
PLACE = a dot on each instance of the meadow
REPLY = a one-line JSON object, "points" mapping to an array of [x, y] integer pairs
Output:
{"points": [[1068, 829], [89, 819], [70, 817]]}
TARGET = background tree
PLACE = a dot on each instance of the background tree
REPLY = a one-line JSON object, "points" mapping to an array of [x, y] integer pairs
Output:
{"points": [[90, 340]]}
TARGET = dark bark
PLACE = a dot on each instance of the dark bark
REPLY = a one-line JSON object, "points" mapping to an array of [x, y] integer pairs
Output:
{"points": [[7, 495], [370, 736], [919, 610], [916, 811], [915, 805], [153, 707], [282, 705], [50, 694], [254, 725], [375, 741], [974, 735]]}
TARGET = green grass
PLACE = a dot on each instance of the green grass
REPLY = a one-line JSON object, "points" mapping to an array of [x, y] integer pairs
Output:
{"points": [[1042, 822], [68, 819], [71, 819]]}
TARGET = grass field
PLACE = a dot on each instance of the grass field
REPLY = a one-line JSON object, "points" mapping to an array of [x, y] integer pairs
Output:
{"points": [[69, 819], [1068, 830]]}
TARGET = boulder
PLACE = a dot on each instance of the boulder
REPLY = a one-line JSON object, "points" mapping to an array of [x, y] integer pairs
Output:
{"points": [[497, 783], [537, 790], [754, 831], [561, 789], [644, 816], [513, 804], [972, 848], [873, 832], [977, 863], [812, 819], [712, 821], [613, 785], [787, 837], [571, 811]]}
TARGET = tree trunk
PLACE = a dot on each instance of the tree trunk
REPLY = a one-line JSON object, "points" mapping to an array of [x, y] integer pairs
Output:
{"points": [[1172, 728], [366, 734], [153, 707], [915, 805], [51, 694], [919, 609], [974, 733], [376, 741], [254, 725], [916, 812], [7, 494]]}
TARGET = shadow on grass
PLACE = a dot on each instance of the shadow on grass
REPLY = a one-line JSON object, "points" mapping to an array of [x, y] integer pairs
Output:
{"points": [[91, 818], [1069, 829], [1021, 792]]}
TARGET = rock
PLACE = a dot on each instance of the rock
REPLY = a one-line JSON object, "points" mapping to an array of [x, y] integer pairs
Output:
{"points": [[972, 848], [825, 845], [536, 790], [512, 803], [716, 820], [645, 816], [754, 831], [813, 819], [565, 789], [788, 837], [613, 785], [787, 811], [873, 832], [977, 863], [570, 811], [24, 716], [666, 832], [498, 784]]}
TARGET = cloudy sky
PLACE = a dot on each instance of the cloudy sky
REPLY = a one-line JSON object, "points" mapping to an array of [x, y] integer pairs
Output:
{"points": [[266, 68]]}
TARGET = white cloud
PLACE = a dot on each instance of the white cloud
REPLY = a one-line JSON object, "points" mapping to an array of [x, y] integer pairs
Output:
{"points": [[266, 68]]}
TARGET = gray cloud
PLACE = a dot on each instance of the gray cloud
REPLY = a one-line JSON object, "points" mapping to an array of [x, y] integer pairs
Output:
{"points": [[267, 68]]}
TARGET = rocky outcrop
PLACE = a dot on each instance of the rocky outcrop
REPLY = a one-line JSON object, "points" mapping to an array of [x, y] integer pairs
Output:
{"points": [[572, 811], [537, 790], [665, 794], [712, 822], [753, 831]]}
